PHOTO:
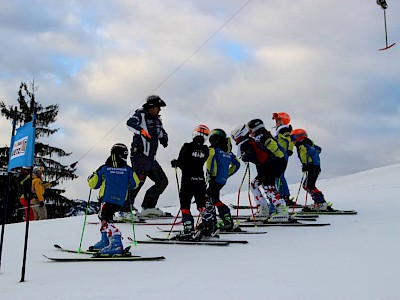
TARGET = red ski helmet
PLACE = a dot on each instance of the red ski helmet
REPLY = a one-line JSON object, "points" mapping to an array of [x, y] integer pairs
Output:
{"points": [[283, 116], [298, 135], [201, 130]]}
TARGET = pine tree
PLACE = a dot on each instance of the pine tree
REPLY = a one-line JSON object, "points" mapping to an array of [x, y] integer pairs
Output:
{"points": [[57, 204]]}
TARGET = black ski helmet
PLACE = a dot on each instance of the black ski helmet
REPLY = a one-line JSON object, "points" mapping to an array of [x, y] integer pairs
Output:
{"points": [[216, 135], [120, 150], [154, 101], [255, 124]]}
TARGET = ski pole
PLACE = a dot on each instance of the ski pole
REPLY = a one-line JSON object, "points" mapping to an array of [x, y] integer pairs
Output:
{"points": [[173, 224], [84, 221], [305, 204], [134, 242], [298, 192], [177, 180], [240, 188], [37, 205], [248, 195], [177, 215]]}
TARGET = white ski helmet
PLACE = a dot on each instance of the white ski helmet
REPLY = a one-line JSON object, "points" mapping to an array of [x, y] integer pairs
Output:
{"points": [[239, 131]]}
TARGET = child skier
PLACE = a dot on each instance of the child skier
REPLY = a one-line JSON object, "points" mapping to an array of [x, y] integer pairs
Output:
{"points": [[191, 160], [308, 153], [274, 166], [283, 130], [248, 151], [221, 164], [114, 179]]}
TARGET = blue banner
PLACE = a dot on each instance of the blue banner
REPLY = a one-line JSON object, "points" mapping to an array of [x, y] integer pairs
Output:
{"points": [[22, 147]]}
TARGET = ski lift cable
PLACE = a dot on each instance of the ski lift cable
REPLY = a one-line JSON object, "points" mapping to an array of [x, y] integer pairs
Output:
{"points": [[168, 76]]}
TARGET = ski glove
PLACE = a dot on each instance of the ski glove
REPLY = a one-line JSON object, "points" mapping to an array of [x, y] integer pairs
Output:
{"points": [[145, 134], [164, 142], [304, 167], [41, 203], [174, 163]]}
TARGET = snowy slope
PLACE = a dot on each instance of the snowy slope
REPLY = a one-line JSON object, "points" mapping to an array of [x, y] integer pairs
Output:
{"points": [[357, 257]]}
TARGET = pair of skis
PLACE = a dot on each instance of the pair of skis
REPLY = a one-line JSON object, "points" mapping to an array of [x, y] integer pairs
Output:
{"points": [[124, 257], [128, 257], [212, 241]]}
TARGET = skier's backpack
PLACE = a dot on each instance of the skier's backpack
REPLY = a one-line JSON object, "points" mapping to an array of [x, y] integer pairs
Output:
{"points": [[271, 155]]}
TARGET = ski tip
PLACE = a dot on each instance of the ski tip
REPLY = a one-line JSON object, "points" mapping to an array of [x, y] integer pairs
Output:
{"points": [[46, 257], [57, 246]]}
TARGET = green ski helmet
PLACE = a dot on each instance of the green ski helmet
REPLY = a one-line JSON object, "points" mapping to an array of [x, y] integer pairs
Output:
{"points": [[216, 135]]}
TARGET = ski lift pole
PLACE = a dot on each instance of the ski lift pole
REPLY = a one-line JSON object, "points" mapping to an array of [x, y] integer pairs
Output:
{"points": [[386, 35], [384, 17]]}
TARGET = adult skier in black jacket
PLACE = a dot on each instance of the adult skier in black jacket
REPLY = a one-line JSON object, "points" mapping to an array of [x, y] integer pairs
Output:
{"points": [[148, 131]]}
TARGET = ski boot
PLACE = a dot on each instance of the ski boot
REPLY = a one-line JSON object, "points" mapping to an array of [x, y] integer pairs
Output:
{"points": [[187, 233], [324, 206], [205, 229], [281, 214], [226, 224], [115, 248], [261, 215], [104, 242]]}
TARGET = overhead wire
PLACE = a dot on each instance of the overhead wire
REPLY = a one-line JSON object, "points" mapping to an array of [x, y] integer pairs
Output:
{"points": [[162, 82]]}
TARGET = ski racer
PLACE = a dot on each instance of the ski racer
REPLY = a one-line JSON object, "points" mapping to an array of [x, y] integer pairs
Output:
{"points": [[283, 130], [221, 164], [114, 179], [273, 168], [191, 160], [308, 153]]}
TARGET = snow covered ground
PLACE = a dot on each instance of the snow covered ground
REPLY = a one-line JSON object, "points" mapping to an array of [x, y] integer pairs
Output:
{"points": [[357, 257]]}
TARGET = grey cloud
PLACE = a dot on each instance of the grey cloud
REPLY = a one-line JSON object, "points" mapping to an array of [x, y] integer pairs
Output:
{"points": [[317, 60]]}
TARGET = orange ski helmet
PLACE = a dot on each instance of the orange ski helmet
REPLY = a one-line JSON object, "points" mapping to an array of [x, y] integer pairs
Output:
{"points": [[201, 130], [283, 116], [298, 135]]}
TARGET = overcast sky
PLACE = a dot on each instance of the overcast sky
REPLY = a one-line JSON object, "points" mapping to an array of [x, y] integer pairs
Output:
{"points": [[218, 63]]}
